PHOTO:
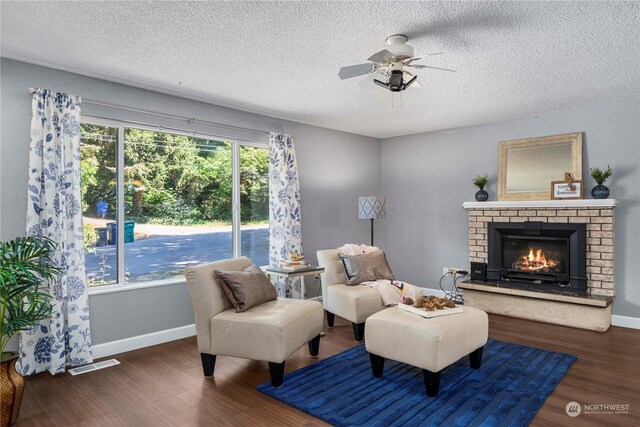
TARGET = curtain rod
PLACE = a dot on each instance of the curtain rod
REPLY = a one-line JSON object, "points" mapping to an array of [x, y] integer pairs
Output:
{"points": [[162, 128], [189, 120]]}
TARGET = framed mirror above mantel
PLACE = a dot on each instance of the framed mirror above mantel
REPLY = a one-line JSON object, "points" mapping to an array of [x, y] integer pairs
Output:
{"points": [[526, 167]]}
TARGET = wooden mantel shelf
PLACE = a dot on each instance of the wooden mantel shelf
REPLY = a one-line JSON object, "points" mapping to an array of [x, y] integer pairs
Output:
{"points": [[584, 203]]}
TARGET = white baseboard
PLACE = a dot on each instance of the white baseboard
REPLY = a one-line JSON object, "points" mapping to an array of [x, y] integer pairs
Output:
{"points": [[140, 341], [616, 320], [625, 321]]}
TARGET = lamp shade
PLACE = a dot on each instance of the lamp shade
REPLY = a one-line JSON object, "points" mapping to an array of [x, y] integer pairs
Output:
{"points": [[372, 207]]}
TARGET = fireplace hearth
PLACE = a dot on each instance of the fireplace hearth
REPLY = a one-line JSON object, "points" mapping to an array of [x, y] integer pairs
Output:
{"points": [[539, 256]]}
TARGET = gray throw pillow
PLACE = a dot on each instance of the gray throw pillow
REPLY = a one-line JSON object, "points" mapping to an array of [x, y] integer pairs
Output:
{"points": [[366, 267], [247, 288]]}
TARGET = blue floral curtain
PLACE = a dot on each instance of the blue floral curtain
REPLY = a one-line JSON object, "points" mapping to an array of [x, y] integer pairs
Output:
{"points": [[54, 210], [285, 230]]}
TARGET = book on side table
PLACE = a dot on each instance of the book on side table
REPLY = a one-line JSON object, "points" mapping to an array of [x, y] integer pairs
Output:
{"points": [[289, 265]]}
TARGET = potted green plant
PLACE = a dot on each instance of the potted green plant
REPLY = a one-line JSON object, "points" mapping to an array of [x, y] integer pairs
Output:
{"points": [[480, 181], [600, 191], [26, 270]]}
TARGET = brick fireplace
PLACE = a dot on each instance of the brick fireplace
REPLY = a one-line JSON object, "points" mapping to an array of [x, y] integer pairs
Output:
{"points": [[591, 297]]}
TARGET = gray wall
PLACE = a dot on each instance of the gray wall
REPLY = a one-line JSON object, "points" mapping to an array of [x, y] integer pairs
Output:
{"points": [[335, 168], [427, 177]]}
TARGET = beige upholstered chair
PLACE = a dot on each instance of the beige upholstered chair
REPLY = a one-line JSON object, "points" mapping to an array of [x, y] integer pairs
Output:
{"points": [[354, 303], [271, 331]]}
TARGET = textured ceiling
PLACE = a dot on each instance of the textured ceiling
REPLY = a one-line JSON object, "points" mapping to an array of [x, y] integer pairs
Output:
{"points": [[513, 59]]}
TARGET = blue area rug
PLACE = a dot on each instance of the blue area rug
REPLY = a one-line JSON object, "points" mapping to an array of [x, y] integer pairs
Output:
{"points": [[508, 390]]}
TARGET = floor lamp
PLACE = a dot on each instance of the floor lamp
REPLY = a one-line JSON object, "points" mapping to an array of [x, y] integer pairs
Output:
{"points": [[372, 207]]}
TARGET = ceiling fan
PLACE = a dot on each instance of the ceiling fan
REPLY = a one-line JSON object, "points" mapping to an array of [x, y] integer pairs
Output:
{"points": [[388, 65]]}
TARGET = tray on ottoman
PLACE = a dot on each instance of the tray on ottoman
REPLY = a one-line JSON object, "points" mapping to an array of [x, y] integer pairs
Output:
{"points": [[428, 314]]}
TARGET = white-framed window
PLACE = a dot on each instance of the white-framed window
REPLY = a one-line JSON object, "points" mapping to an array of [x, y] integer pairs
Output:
{"points": [[155, 202]]}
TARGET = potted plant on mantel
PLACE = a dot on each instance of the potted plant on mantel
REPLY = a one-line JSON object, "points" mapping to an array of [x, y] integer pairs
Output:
{"points": [[26, 270], [600, 191], [480, 182]]}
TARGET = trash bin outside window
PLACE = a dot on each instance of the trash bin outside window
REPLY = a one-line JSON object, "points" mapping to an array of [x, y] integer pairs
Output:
{"points": [[113, 232], [129, 235], [102, 236]]}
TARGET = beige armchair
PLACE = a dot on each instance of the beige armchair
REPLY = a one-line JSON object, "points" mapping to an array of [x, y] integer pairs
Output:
{"points": [[354, 303], [271, 331]]}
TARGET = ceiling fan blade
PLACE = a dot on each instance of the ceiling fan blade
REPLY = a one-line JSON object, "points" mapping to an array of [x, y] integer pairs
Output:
{"points": [[381, 56], [438, 68], [416, 85], [355, 70], [417, 58], [420, 67]]}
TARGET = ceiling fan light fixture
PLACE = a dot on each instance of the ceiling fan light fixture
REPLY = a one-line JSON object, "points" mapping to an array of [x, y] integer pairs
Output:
{"points": [[396, 82], [381, 83], [409, 83]]}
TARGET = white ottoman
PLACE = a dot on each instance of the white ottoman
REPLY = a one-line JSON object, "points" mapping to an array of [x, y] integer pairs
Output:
{"points": [[431, 344]]}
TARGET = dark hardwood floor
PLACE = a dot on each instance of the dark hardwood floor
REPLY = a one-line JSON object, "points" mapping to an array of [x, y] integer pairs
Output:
{"points": [[163, 385]]}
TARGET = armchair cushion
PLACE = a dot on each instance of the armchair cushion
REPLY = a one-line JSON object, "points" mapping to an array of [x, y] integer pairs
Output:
{"points": [[247, 288], [366, 267], [354, 303], [271, 331]]}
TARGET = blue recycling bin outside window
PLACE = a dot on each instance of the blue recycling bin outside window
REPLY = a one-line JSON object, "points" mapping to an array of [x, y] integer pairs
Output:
{"points": [[102, 208]]}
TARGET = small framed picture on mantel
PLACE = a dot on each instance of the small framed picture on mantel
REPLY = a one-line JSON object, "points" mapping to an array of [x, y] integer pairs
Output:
{"points": [[566, 190]]}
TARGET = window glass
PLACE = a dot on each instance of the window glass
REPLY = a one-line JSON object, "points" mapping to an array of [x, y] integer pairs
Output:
{"points": [[178, 207], [254, 203], [178, 192], [98, 154]]}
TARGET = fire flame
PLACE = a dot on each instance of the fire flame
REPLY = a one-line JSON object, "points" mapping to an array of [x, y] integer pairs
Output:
{"points": [[535, 260]]}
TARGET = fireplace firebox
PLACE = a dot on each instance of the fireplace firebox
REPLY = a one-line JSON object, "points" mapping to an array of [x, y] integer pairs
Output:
{"points": [[534, 255]]}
